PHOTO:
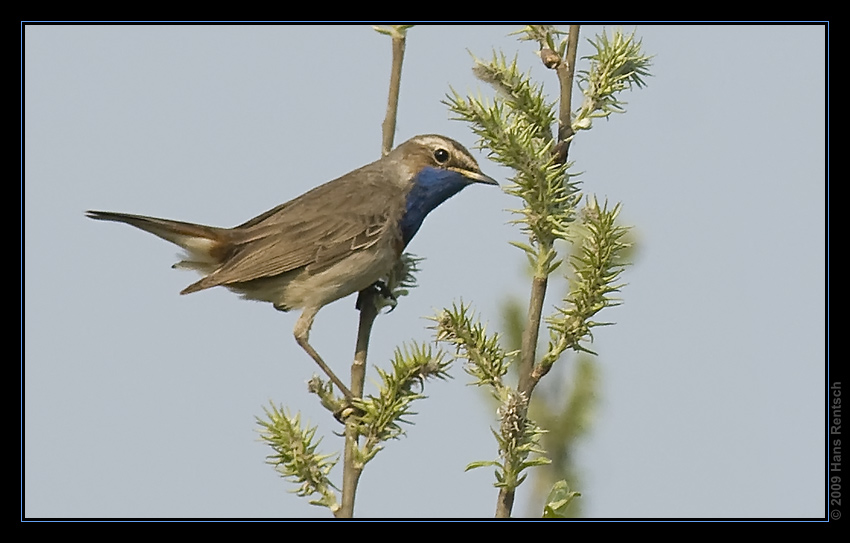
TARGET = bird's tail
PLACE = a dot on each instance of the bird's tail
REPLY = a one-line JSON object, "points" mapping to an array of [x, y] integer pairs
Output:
{"points": [[206, 245]]}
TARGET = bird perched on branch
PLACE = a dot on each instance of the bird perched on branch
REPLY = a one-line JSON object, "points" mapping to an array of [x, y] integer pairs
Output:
{"points": [[337, 239]]}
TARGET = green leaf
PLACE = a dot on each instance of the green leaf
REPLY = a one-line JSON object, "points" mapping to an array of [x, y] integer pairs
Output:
{"points": [[530, 251], [559, 500], [482, 464]]}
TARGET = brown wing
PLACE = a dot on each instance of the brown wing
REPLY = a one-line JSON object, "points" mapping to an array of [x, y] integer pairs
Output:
{"points": [[314, 231]]}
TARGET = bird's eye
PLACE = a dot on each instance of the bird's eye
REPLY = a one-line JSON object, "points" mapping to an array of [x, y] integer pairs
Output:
{"points": [[441, 155]]}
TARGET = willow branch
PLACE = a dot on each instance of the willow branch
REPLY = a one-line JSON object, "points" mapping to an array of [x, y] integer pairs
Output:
{"points": [[532, 331], [565, 69], [352, 468], [388, 127], [528, 378], [505, 503]]}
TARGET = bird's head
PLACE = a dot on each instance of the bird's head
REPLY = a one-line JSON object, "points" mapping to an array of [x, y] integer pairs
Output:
{"points": [[439, 153], [433, 169]]}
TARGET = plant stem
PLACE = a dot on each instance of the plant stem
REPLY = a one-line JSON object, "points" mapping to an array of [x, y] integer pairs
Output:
{"points": [[388, 127], [529, 376], [352, 469], [505, 503], [531, 332], [566, 71]]}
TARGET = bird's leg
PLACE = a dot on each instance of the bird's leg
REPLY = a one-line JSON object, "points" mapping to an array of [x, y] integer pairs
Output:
{"points": [[302, 336]]}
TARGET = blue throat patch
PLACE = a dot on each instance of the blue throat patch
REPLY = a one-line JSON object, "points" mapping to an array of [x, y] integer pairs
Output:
{"points": [[431, 187]]}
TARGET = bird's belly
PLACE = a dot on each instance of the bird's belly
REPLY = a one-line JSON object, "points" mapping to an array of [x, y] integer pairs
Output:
{"points": [[298, 289]]}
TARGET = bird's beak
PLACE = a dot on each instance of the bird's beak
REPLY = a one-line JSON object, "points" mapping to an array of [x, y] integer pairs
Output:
{"points": [[475, 177]]}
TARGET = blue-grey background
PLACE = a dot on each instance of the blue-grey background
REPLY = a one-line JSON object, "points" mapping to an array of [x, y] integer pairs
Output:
{"points": [[140, 402]]}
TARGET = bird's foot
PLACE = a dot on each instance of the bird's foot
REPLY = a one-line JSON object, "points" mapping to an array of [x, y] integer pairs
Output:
{"points": [[386, 293], [380, 287]]}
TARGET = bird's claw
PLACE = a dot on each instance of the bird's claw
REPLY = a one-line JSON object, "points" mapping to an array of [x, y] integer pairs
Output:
{"points": [[380, 287], [387, 294]]}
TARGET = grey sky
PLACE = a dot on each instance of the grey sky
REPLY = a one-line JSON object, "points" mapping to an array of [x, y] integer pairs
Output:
{"points": [[141, 402]]}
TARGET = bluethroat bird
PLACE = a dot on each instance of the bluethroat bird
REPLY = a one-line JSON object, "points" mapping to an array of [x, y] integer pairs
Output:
{"points": [[337, 239]]}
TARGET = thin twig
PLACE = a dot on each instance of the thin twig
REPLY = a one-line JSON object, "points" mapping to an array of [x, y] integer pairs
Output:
{"points": [[366, 299], [566, 71], [532, 330], [388, 126], [505, 503], [528, 377], [351, 468]]}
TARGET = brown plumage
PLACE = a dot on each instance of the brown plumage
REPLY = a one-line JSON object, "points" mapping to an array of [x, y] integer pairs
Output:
{"points": [[332, 241]]}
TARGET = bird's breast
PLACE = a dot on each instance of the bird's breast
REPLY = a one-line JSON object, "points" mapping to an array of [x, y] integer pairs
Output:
{"points": [[429, 188]]}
